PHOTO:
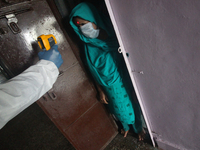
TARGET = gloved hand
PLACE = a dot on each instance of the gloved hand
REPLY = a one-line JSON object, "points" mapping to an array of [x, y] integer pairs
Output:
{"points": [[52, 55]]}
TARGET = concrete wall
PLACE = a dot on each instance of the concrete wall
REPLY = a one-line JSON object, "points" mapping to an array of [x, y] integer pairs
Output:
{"points": [[162, 38]]}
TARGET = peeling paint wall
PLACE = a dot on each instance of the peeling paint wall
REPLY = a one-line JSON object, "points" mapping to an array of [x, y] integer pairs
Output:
{"points": [[163, 40]]}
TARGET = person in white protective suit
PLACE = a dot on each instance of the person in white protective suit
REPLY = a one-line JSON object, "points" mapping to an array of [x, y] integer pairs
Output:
{"points": [[23, 90]]}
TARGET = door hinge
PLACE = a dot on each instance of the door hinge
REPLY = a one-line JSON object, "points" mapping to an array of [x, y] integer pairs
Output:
{"points": [[12, 23], [119, 50], [9, 12]]}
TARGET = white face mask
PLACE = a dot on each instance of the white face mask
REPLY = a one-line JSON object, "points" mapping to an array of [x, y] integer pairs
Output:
{"points": [[89, 31]]}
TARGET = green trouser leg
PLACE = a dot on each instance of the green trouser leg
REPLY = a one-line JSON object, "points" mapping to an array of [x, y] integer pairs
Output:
{"points": [[125, 126], [137, 126]]}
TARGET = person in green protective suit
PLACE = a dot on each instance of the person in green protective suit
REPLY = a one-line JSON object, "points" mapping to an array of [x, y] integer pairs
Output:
{"points": [[106, 65]]}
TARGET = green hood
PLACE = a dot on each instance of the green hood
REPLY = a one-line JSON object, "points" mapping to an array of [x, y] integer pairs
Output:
{"points": [[88, 12], [101, 55]]}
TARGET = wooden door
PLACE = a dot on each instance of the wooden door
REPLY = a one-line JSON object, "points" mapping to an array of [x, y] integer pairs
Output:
{"points": [[71, 104]]}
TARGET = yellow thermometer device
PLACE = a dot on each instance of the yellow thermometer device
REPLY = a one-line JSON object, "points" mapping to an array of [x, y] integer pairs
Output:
{"points": [[46, 41]]}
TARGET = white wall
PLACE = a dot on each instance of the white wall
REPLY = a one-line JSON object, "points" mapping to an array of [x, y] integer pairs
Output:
{"points": [[163, 40]]}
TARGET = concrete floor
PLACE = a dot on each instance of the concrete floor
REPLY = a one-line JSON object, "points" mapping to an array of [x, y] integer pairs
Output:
{"points": [[128, 143], [33, 130]]}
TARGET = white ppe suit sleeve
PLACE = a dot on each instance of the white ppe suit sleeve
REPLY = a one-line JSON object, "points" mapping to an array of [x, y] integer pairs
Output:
{"points": [[23, 90]]}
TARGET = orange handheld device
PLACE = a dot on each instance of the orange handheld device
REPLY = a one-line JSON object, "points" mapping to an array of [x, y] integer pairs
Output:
{"points": [[46, 41]]}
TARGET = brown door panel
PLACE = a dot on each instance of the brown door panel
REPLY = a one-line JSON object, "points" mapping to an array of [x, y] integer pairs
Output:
{"points": [[93, 131], [71, 104], [74, 96], [22, 47], [14, 48]]}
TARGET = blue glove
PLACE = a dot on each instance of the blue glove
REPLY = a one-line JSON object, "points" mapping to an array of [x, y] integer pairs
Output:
{"points": [[52, 55]]}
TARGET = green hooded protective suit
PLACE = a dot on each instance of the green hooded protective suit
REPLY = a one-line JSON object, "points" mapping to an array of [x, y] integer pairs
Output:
{"points": [[104, 63]]}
